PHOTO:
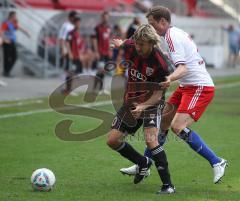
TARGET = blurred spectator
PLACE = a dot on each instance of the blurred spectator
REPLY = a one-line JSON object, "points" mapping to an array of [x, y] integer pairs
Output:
{"points": [[58, 5], [66, 27], [9, 28], [74, 45], [147, 3], [48, 43], [64, 30], [133, 27], [2, 83], [144, 5], [233, 43], [102, 49], [87, 57], [118, 53], [1, 37], [191, 7], [117, 33]]}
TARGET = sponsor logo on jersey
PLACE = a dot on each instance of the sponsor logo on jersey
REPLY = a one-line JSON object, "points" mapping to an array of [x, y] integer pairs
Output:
{"points": [[152, 116], [135, 74], [152, 122], [149, 71]]}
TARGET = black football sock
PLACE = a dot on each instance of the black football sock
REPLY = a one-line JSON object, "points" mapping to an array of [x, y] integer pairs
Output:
{"points": [[160, 159], [127, 151], [101, 76], [162, 137], [68, 83], [98, 80]]}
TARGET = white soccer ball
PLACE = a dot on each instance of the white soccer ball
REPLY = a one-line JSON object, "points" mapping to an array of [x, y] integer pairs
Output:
{"points": [[43, 179]]}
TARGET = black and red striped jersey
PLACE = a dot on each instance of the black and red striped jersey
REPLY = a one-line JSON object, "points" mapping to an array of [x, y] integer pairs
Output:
{"points": [[103, 35], [142, 70]]}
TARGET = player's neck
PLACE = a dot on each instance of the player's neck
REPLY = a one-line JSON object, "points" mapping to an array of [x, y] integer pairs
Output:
{"points": [[167, 28], [147, 53]]}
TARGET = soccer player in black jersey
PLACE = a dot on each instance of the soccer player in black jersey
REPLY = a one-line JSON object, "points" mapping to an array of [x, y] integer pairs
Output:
{"points": [[142, 104]]}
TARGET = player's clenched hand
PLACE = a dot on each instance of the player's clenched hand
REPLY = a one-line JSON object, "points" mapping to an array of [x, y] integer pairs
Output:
{"points": [[116, 43], [137, 110], [166, 83]]}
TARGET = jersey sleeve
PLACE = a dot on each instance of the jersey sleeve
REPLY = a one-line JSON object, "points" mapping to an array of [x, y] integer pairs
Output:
{"points": [[16, 25], [127, 43], [163, 63], [176, 48], [96, 32], [171, 66], [63, 32]]}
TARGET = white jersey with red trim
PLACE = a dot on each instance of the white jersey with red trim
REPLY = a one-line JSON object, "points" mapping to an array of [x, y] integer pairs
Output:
{"points": [[65, 29], [183, 50]]}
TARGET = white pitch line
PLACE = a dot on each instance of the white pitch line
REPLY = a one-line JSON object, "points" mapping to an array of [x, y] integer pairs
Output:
{"points": [[19, 104], [225, 86], [101, 103], [20, 114]]}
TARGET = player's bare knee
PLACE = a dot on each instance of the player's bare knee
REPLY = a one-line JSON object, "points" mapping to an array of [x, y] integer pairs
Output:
{"points": [[151, 137], [112, 141], [151, 141]]}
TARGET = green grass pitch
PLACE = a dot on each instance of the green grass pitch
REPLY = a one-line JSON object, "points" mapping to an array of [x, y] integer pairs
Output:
{"points": [[89, 171]]}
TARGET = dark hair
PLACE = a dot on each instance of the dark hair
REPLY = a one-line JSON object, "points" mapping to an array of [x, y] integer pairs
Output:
{"points": [[136, 21], [76, 19], [11, 13], [105, 13], [159, 12], [72, 14]]}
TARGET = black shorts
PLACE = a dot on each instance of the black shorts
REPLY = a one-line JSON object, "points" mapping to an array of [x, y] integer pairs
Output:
{"points": [[65, 63], [77, 66], [104, 58], [102, 62], [127, 124]]}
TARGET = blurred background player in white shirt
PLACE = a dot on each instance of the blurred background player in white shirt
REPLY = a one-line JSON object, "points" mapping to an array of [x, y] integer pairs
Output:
{"points": [[65, 63], [64, 30]]}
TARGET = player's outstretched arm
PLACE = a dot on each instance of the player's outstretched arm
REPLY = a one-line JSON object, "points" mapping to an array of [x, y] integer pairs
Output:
{"points": [[24, 31], [153, 100], [116, 43], [180, 71]]}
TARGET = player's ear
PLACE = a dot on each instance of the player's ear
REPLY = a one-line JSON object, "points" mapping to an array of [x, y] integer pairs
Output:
{"points": [[162, 21]]}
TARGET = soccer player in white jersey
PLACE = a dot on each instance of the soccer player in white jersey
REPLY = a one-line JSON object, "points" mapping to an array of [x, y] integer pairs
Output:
{"points": [[191, 98]]}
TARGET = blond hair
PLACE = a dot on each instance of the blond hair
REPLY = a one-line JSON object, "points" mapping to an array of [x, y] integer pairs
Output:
{"points": [[147, 33]]}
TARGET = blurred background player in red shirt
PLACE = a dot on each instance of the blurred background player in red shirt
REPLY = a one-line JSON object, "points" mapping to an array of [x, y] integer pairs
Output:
{"points": [[102, 50], [74, 44]]}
